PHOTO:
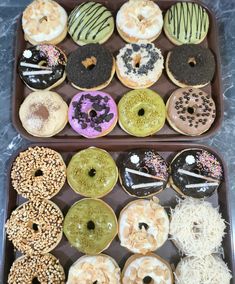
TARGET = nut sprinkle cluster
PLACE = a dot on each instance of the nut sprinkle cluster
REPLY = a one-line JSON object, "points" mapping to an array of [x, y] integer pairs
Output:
{"points": [[35, 227], [44, 268], [38, 173]]}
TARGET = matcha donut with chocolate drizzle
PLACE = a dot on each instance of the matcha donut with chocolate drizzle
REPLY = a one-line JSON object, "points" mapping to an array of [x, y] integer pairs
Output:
{"points": [[90, 225], [92, 172]]}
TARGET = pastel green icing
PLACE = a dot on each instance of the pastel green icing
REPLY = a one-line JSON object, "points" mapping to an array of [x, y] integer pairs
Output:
{"points": [[77, 225], [90, 22], [142, 112], [186, 22], [92, 172]]}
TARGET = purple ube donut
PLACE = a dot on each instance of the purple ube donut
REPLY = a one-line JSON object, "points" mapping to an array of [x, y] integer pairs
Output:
{"points": [[92, 114]]}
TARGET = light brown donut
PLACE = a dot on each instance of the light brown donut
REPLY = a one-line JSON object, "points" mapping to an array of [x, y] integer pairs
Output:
{"points": [[35, 227]]}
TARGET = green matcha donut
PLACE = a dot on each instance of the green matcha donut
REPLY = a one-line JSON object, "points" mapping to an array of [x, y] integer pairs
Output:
{"points": [[186, 22], [92, 172], [90, 22], [141, 112], [90, 225]]}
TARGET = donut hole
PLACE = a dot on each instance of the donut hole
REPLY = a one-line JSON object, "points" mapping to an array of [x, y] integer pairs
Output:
{"points": [[92, 172], [43, 19], [148, 280], [89, 63], [144, 170], [33, 226], [136, 61], [140, 18], [92, 113], [38, 173], [141, 112], [192, 62], [35, 281], [42, 63], [196, 230], [143, 225], [190, 110], [90, 225]]}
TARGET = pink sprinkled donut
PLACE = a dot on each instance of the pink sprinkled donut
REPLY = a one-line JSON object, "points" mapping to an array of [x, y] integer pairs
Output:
{"points": [[92, 114]]}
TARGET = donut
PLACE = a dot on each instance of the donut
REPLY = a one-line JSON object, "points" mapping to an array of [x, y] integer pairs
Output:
{"points": [[196, 228], [92, 114], [142, 172], [90, 22], [44, 21], [92, 172], [196, 173], [90, 67], [190, 65], [141, 112], [139, 20], [190, 111], [90, 226], [149, 268], [44, 268], [139, 65], [186, 22], [94, 269], [42, 67], [38, 172], [209, 269], [35, 227], [43, 113], [143, 226]]}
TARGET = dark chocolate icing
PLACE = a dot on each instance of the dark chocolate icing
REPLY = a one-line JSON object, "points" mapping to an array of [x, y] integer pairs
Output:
{"points": [[88, 78], [192, 64], [51, 56], [143, 160], [199, 162]]}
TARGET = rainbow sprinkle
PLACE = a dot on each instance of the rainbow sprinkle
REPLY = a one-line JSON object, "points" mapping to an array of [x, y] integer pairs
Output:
{"points": [[51, 53], [157, 163], [209, 163]]}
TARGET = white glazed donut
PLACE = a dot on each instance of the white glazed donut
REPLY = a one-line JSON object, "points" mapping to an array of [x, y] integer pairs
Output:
{"points": [[143, 226], [44, 21], [139, 20], [94, 269], [146, 269]]}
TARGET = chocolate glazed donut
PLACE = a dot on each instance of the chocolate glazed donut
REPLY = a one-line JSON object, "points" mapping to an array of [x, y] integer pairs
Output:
{"points": [[42, 67], [190, 65], [142, 172], [90, 67], [196, 173]]}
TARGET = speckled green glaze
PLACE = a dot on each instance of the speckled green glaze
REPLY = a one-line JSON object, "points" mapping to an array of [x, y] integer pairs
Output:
{"points": [[95, 240], [92, 172], [186, 22]]}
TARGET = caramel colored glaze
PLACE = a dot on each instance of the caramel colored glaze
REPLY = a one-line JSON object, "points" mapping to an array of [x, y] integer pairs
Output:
{"points": [[190, 111]]}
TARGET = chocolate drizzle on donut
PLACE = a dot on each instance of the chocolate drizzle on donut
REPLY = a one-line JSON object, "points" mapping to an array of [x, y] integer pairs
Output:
{"points": [[92, 119], [199, 167], [200, 72], [46, 56], [137, 162], [85, 77]]}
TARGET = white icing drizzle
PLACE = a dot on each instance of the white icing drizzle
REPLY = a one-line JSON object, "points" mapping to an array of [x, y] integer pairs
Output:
{"points": [[143, 185]]}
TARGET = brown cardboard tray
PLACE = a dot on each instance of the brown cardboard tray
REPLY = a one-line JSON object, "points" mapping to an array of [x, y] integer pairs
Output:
{"points": [[117, 199], [164, 86]]}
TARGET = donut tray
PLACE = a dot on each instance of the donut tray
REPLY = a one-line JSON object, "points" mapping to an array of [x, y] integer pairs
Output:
{"points": [[117, 199], [164, 86]]}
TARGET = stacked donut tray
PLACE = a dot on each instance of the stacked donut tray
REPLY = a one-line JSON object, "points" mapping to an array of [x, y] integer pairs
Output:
{"points": [[164, 86], [117, 199]]}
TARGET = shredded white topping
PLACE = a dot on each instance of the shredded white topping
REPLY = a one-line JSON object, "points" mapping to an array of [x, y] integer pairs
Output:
{"points": [[196, 227], [208, 270]]}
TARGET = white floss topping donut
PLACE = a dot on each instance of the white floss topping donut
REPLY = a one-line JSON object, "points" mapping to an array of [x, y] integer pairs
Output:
{"points": [[143, 226], [141, 19], [147, 267], [196, 227], [44, 20], [92, 269], [140, 62], [208, 270]]}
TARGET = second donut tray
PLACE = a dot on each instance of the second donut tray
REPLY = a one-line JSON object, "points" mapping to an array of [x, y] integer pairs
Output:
{"points": [[117, 199], [164, 87]]}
